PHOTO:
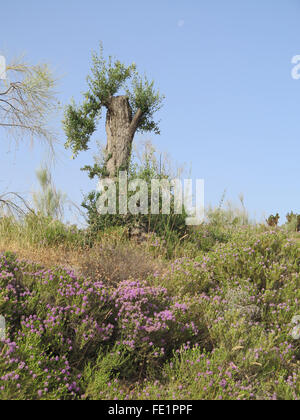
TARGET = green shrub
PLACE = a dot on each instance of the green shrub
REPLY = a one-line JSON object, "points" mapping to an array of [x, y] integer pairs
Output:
{"points": [[171, 226], [273, 220], [293, 222]]}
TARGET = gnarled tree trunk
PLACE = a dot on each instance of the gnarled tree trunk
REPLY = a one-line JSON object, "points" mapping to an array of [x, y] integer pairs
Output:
{"points": [[120, 129]]}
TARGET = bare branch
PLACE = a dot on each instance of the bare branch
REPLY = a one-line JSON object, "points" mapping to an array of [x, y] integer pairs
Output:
{"points": [[28, 101], [8, 202]]}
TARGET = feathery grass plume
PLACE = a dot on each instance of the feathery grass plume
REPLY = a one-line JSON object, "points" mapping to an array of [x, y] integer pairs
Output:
{"points": [[49, 202], [27, 101]]}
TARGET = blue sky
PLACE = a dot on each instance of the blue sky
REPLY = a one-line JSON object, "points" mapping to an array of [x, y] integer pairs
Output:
{"points": [[232, 108]]}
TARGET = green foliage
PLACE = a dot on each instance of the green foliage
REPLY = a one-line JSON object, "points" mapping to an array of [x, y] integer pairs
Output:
{"points": [[79, 125], [96, 171], [293, 222], [171, 226], [41, 231], [220, 226], [267, 259], [143, 96], [98, 375], [107, 78], [273, 220]]}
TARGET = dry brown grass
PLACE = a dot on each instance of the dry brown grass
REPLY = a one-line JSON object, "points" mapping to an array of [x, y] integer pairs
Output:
{"points": [[111, 260], [46, 256], [119, 262]]}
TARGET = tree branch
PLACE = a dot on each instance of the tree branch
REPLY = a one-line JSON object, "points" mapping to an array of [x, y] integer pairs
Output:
{"points": [[27, 127], [12, 106], [135, 121], [7, 91]]}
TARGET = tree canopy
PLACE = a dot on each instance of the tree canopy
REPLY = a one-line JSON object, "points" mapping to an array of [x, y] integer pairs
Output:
{"points": [[108, 78]]}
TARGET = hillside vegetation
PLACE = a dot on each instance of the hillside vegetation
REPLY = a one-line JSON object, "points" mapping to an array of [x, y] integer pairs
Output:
{"points": [[205, 317]]}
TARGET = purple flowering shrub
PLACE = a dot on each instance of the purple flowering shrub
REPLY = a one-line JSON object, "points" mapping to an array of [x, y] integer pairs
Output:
{"points": [[44, 339], [151, 323], [29, 370], [58, 323]]}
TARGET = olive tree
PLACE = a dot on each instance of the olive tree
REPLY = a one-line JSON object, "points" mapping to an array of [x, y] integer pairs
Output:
{"points": [[130, 102]]}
